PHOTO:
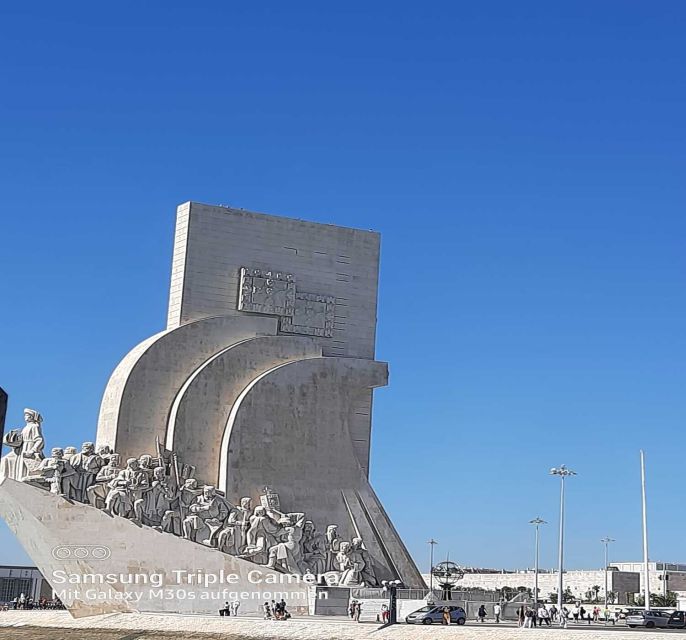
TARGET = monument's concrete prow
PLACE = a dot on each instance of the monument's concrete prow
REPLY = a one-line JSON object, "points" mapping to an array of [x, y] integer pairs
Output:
{"points": [[102, 564]]}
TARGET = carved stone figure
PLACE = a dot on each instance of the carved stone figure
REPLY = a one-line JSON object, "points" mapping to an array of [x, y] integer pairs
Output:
{"points": [[346, 566], [232, 537], [105, 452], [87, 464], [313, 549], [69, 452], [156, 502], [187, 496], [26, 448], [97, 492], [287, 555], [125, 489], [333, 546], [58, 473], [262, 536], [184, 497], [207, 516], [363, 563], [145, 465]]}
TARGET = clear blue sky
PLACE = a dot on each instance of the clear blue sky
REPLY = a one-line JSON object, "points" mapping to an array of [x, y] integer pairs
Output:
{"points": [[523, 161]]}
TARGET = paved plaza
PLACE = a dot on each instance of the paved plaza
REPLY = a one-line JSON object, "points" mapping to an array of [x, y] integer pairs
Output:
{"points": [[59, 625]]}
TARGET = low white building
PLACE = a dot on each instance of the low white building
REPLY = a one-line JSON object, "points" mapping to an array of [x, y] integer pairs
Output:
{"points": [[585, 585], [623, 578]]}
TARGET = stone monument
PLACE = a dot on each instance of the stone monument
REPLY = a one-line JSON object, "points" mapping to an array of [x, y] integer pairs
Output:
{"points": [[234, 442]]}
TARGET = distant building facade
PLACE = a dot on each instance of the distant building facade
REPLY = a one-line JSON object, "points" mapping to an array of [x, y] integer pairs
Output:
{"points": [[27, 580], [624, 580], [662, 576], [585, 585]]}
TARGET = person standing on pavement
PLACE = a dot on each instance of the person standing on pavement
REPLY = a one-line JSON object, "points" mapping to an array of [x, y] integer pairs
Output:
{"points": [[496, 612], [543, 615], [358, 611]]}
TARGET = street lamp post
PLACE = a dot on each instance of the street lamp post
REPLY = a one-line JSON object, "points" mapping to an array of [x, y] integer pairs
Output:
{"points": [[431, 542], [606, 541], [646, 572], [391, 586], [563, 472], [537, 522]]}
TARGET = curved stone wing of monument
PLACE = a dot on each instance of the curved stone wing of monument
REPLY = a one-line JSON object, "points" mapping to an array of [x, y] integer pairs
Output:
{"points": [[264, 410]]}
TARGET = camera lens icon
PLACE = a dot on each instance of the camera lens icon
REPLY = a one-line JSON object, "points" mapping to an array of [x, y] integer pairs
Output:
{"points": [[81, 552]]}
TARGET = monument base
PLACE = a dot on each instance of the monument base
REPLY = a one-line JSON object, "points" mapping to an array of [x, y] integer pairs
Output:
{"points": [[329, 601]]}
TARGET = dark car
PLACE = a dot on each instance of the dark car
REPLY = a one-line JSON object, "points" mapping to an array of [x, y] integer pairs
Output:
{"points": [[677, 620], [434, 615]]}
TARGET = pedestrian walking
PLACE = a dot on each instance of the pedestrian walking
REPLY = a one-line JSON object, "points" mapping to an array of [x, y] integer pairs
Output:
{"points": [[385, 614], [543, 616], [446, 615], [520, 616], [358, 611], [234, 607], [481, 615], [496, 612]]}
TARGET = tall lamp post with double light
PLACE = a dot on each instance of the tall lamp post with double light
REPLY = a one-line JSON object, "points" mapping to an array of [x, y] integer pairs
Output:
{"points": [[537, 522], [563, 472], [606, 541], [431, 542], [391, 587]]}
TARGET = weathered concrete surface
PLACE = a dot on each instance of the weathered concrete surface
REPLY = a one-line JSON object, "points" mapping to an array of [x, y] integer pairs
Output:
{"points": [[202, 406], [291, 428], [141, 390], [45, 524]]}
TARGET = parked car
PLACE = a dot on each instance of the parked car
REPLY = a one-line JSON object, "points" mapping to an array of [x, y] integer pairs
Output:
{"points": [[649, 619], [677, 620], [434, 615]]}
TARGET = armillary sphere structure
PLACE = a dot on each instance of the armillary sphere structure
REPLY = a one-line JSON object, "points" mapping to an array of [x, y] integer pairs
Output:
{"points": [[447, 575]]}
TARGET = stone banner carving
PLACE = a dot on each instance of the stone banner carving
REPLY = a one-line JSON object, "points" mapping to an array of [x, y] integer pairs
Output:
{"points": [[313, 316], [271, 292], [266, 291]]}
